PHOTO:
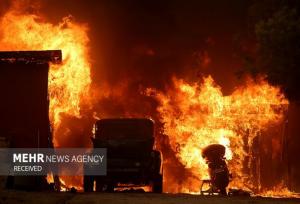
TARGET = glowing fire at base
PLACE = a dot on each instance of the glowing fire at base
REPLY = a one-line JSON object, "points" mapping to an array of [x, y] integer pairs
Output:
{"points": [[279, 191], [127, 187], [68, 82], [196, 115]]}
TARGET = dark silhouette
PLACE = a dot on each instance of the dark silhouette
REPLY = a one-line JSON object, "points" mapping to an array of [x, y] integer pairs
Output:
{"points": [[24, 106], [132, 162], [217, 167]]}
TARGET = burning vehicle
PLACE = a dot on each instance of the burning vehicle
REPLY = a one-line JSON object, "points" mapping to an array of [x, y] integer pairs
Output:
{"points": [[132, 162]]}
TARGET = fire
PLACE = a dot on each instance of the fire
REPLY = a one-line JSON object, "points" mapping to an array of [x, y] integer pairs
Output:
{"points": [[196, 115], [66, 185], [50, 178], [279, 191], [69, 82], [128, 187]]}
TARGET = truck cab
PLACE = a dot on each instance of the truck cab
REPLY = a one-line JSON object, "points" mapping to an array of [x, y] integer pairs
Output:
{"points": [[131, 158]]}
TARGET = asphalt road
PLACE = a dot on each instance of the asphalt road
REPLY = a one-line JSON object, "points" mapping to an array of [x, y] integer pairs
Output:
{"points": [[127, 198]]}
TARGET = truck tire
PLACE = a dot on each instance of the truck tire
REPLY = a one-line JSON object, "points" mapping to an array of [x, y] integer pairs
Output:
{"points": [[88, 183], [157, 184]]}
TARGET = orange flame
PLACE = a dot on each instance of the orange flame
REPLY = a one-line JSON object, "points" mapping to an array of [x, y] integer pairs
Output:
{"points": [[279, 191], [196, 115], [69, 82], [50, 178]]}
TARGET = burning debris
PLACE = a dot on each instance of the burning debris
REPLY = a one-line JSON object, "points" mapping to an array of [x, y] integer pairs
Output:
{"points": [[197, 115], [248, 122]]}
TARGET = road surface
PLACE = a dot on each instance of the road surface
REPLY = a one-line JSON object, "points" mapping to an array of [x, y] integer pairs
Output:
{"points": [[127, 198]]}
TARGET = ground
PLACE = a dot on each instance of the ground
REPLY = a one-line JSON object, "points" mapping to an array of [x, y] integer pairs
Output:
{"points": [[10, 197]]}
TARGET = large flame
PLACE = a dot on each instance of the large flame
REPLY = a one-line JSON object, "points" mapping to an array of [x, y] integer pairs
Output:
{"points": [[68, 82], [196, 115]]}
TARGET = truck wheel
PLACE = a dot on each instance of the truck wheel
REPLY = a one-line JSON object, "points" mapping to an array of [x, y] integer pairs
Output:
{"points": [[88, 183], [157, 185]]}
